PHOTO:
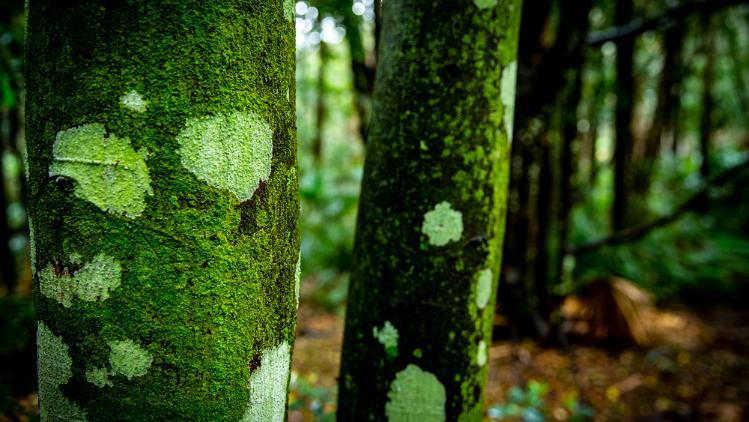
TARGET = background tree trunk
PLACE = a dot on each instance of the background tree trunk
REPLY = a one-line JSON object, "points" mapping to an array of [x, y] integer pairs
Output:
{"points": [[624, 95], [428, 247], [164, 202]]}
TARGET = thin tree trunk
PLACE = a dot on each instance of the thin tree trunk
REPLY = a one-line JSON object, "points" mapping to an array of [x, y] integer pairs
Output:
{"points": [[428, 247], [322, 110], [544, 214], [515, 291], [164, 203], [7, 260], [708, 75], [624, 99], [668, 87], [361, 72]]}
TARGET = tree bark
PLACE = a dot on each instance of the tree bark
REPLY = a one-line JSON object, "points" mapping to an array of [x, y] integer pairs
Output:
{"points": [[164, 202], [428, 247], [322, 109], [624, 97], [708, 75]]}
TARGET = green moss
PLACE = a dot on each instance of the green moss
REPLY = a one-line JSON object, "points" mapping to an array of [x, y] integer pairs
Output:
{"points": [[485, 4], [108, 172], [32, 246], [484, 287], [228, 151], [134, 101], [388, 337], [442, 224], [92, 283], [297, 278], [54, 371], [509, 80], [481, 353], [98, 377], [415, 395], [268, 385], [128, 358]]}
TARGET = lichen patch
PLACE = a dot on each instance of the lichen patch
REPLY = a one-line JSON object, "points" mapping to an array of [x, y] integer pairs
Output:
{"points": [[442, 224], [268, 385], [481, 354], [128, 358], [108, 172], [415, 395], [228, 151], [509, 79], [288, 9], [55, 369], [388, 337], [92, 283], [483, 287], [134, 101]]}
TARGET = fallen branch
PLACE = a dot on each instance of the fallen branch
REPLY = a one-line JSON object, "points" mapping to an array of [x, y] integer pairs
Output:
{"points": [[668, 18], [635, 233]]}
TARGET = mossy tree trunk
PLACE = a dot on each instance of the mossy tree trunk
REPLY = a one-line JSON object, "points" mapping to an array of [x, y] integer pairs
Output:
{"points": [[428, 247], [164, 202]]}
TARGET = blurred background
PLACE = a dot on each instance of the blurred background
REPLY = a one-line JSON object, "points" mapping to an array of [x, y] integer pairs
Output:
{"points": [[626, 264]]}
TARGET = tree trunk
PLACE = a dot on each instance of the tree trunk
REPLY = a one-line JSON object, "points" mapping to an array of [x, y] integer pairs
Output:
{"points": [[667, 93], [706, 122], [322, 110], [624, 96], [362, 73], [7, 260], [428, 247], [164, 202]]}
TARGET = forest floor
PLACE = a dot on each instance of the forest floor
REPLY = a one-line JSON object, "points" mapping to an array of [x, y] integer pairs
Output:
{"points": [[691, 376], [684, 380]]}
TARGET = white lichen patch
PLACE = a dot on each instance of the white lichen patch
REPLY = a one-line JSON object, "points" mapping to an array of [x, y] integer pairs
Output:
{"points": [[485, 4], [228, 151], [388, 337], [128, 358], [297, 278], [268, 385], [483, 287], [92, 283], [415, 395], [442, 224], [509, 79], [134, 101], [481, 354], [55, 369], [98, 377], [108, 172]]}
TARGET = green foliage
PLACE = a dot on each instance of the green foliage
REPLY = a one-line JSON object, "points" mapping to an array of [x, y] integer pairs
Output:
{"points": [[700, 256]]}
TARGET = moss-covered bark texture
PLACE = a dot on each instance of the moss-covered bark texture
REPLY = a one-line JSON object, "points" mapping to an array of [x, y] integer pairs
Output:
{"points": [[164, 207], [428, 245]]}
